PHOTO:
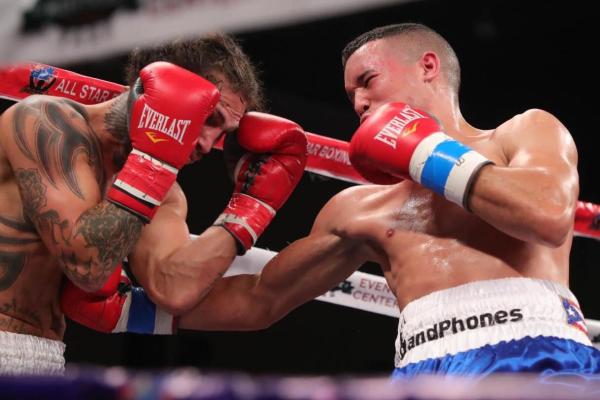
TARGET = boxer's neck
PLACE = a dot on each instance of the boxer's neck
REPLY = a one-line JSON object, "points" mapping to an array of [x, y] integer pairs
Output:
{"points": [[444, 106], [110, 124]]}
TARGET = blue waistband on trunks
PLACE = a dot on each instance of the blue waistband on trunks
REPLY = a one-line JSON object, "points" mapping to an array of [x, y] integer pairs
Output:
{"points": [[542, 354]]}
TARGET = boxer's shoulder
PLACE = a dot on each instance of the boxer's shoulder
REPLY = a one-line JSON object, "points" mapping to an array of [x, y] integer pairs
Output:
{"points": [[29, 113], [349, 207], [526, 123], [37, 101], [364, 196], [532, 129]]}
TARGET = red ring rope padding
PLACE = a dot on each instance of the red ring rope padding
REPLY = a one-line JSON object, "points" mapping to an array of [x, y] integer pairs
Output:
{"points": [[326, 156]]}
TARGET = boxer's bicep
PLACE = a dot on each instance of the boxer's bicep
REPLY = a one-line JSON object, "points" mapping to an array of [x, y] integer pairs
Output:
{"points": [[308, 268], [533, 196], [542, 155], [166, 233]]}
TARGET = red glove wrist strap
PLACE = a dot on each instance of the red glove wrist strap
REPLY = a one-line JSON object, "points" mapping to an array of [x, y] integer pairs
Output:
{"points": [[142, 184], [245, 218]]}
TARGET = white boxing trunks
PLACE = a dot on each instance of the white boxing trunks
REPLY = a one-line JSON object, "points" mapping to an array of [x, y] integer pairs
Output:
{"points": [[30, 355], [503, 325]]}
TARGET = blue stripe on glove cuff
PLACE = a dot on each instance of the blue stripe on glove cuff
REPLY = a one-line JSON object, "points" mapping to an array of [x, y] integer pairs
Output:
{"points": [[440, 163]]}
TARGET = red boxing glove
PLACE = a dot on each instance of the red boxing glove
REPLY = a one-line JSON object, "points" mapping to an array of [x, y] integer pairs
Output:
{"points": [[117, 307], [398, 142], [587, 220], [265, 177], [168, 107]]}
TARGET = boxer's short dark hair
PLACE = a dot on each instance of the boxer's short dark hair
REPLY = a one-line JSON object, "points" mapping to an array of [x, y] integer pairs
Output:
{"points": [[419, 31], [205, 55]]}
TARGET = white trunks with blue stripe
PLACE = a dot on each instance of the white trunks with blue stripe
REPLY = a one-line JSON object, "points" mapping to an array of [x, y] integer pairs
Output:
{"points": [[505, 319]]}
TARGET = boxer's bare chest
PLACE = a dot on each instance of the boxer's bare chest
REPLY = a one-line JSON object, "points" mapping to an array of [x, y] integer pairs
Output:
{"points": [[408, 218], [428, 243], [409, 214]]}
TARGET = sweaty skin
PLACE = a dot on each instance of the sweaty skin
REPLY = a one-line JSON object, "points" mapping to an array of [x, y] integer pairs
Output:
{"points": [[520, 224], [53, 170], [57, 158]]}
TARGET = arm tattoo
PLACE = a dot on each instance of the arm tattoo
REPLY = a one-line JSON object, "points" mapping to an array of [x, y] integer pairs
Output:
{"points": [[33, 193], [20, 226], [115, 122], [112, 231], [28, 321], [12, 262], [108, 229], [11, 265], [4, 239], [58, 139], [54, 134]]}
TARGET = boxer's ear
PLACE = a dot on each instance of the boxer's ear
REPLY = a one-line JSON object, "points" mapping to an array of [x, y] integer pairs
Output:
{"points": [[430, 66]]}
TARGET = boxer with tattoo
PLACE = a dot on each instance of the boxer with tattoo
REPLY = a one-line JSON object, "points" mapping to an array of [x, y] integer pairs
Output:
{"points": [[84, 186]]}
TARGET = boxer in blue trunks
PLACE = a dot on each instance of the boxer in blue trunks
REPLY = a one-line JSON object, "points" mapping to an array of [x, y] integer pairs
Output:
{"points": [[472, 228]]}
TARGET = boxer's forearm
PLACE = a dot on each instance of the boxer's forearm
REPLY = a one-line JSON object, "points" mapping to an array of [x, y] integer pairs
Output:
{"points": [[526, 203], [230, 305], [306, 269], [302, 271], [179, 281]]}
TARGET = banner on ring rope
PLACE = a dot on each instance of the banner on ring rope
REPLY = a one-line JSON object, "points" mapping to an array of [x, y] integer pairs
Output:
{"points": [[326, 156], [69, 31], [19, 81]]}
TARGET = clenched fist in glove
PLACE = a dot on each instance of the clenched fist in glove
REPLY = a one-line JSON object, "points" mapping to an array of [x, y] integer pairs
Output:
{"points": [[117, 307], [399, 142], [264, 176], [168, 108]]}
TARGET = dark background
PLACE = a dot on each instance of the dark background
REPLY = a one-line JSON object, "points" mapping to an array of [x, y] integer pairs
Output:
{"points": [[515, 55]]}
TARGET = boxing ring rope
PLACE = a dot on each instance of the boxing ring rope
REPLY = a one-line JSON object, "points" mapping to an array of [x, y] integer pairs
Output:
{"points": [[326, 157]]}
